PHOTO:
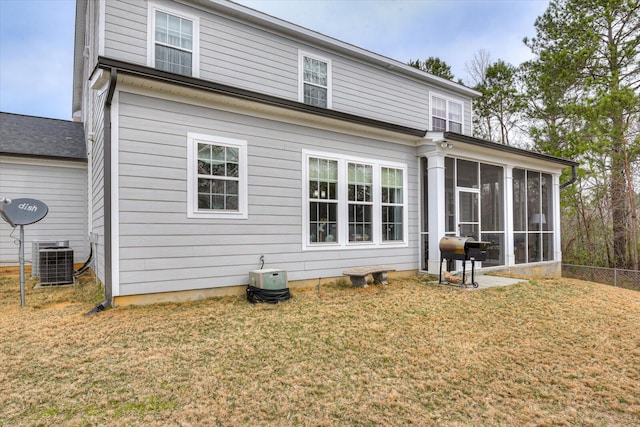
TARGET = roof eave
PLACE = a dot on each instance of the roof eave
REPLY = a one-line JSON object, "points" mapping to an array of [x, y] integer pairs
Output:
{"points": [[45, 157], [507, 148], [207, 85]]}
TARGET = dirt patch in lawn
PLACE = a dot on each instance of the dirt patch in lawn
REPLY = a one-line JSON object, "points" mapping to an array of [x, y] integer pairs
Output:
{"points": [[551, 352]]}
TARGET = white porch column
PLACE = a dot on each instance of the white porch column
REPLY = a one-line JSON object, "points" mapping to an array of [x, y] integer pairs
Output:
{"points": [[436, 193], [557, 240], [509, 245]]}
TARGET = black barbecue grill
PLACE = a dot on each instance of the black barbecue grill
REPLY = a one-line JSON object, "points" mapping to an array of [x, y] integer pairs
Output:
{"points": [[463, 249]]}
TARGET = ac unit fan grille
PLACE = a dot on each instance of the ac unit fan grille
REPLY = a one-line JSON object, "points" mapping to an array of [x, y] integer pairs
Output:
{"points": [[56, 266], [36, 246]]}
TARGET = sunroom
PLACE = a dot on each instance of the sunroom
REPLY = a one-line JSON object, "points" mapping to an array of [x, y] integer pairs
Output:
{"points": [[499, 194]]}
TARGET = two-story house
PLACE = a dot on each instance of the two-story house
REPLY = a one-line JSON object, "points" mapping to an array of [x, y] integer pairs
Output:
{"points": [[219, 136]]}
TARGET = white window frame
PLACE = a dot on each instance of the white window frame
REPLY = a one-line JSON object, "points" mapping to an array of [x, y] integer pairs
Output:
{"points": [[151, 34], [193, 139], [384, 204], [301, 82], [448, 101], [342, 240], [363, 203]]}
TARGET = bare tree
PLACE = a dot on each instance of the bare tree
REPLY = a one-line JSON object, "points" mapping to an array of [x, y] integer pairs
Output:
{"points": [[477, 68]]}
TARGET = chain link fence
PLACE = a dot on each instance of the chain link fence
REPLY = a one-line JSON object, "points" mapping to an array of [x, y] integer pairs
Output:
{"points": [[629, 279]]}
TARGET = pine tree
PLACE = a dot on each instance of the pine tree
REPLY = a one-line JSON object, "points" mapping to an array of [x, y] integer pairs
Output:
{"points": [[584, 92]]}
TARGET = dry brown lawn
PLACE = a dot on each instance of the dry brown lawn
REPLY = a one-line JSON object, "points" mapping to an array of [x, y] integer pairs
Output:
{"points": [[551, 352]]}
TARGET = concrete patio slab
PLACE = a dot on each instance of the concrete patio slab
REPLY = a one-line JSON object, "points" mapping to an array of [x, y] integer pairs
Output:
{"points": [[486, 281]]}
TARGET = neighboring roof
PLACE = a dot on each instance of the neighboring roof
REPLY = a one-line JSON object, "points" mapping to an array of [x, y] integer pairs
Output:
{"points": [[507, 148], [41, 137]]}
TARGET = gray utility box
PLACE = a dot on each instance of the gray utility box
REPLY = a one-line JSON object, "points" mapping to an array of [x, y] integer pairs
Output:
{"points": [[268, 278]]}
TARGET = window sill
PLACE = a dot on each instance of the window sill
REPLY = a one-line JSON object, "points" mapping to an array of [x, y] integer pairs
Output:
{"points": [[353, 246], [217, 215]]}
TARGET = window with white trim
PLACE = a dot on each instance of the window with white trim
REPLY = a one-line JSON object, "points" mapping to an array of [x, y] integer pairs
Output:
{"points": [[315, 80], [351, 202], [392, 181], [217, 169], [173, 41], [360, 196], [323, 200], [446, 115]]}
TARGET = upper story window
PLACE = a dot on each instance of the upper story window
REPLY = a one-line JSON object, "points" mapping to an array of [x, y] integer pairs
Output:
{"points": [[446, 115], [217, 181], [173, 41], [315, 80]]}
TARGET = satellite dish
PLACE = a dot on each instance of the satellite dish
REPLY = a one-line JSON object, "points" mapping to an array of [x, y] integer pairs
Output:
{"points": [[25, 211]]}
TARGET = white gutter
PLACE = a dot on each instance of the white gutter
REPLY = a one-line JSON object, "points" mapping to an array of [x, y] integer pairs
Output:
{"points": [[78, 58]]}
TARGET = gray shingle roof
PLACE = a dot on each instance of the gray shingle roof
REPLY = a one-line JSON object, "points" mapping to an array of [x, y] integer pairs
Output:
{"points": [[41, 137]]}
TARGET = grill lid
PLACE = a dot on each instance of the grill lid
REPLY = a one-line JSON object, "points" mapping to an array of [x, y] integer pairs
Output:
{"points": [[453, 245], [461, 245]]}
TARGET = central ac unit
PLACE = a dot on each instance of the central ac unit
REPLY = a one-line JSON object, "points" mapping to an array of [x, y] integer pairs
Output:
{"points": [[56, 266], [36, 245]]}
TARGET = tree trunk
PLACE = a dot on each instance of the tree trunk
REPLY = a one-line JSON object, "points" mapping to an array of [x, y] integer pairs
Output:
{"points": [[633, 211], [618, 212]]}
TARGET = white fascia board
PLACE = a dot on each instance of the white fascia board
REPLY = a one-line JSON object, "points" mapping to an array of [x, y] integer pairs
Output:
{"points": [[43, 161]]}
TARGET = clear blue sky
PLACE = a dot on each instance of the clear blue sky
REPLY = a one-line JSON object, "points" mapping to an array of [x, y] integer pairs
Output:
{"points": [[36, 38]]}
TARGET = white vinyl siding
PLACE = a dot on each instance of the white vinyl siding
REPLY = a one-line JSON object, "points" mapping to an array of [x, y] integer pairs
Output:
{"points": [[125, 32], [62, 186], [162, 250], [96, 157], [260, 59]]}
